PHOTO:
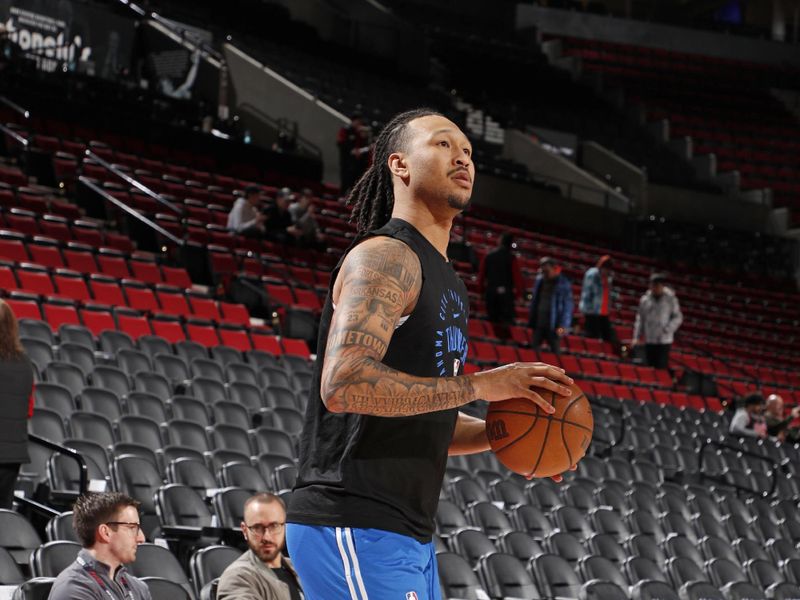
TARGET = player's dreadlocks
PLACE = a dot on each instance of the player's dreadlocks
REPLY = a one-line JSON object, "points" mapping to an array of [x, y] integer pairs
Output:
{"points": [[372, 197]]}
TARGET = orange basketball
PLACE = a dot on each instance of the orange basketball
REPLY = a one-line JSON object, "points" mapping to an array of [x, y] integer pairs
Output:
{"points": [[532, 443]]}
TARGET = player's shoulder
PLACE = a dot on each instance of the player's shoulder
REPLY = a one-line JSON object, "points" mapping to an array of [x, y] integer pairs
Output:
{"points": [[386, 256]]}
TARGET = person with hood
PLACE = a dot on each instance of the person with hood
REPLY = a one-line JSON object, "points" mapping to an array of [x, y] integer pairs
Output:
{"points": [[657, 319]]}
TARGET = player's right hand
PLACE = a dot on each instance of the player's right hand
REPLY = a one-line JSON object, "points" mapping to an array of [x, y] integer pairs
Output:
{"points": [[517, 379]]}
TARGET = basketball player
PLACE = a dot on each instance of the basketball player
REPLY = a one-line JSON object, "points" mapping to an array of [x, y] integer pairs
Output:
{"points": [[383, 414]]}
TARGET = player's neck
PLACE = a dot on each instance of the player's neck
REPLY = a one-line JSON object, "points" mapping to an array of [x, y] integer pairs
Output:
{"points": [[435, 228]]}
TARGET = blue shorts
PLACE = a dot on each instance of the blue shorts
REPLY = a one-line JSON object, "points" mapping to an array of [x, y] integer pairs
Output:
{"points": [[341, 563]]}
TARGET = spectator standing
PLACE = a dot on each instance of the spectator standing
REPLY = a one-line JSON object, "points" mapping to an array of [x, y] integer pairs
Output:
{"points": [[748, 420], [596, 297], [657, 319], [16, 375], [777, 425], [110, 532], [246, 217], [262, 573], [354, 146], [500, 279], [550, 313]]}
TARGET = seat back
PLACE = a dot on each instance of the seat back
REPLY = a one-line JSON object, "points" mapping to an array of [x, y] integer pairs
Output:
{"points": [[457, 578], [49, 559], [209, 563], [153, 560], [179, 505], [506, 577]]}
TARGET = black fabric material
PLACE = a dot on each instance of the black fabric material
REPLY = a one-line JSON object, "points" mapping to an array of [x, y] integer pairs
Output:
{"points": [[545, 334], [379, 472], [15, 392], [657, 355], [599, 326], [286, 577], [8, 479]]}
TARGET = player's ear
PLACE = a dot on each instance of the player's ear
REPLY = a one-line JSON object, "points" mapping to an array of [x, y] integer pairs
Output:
{"points": [[397, 164]]}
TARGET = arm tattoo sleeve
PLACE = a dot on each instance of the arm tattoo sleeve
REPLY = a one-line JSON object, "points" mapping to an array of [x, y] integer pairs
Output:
{"points": [[380, 279]]}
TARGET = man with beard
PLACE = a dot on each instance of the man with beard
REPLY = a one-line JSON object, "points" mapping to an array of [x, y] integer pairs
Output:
{"points": [[383, 409], [261, 573]]}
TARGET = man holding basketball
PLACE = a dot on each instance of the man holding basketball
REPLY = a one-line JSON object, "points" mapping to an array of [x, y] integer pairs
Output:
{"points": [[383, 414]]}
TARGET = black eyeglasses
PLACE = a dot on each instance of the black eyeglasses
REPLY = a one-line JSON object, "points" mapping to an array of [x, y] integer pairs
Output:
{"points": [[271, 528], [131, 526]]}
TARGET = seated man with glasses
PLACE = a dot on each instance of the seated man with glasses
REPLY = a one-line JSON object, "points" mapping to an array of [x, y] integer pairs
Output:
{"points": [[261, 573], [109, 529]]}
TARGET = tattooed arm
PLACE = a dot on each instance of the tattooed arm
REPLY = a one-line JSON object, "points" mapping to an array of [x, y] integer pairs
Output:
{"points": [[378, 283]]}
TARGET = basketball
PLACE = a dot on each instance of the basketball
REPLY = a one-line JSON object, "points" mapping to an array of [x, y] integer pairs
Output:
{"points": [[533, 443]]}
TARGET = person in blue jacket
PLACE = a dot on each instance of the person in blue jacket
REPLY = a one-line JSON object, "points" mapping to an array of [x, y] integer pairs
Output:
{"points": [[550, 313]]}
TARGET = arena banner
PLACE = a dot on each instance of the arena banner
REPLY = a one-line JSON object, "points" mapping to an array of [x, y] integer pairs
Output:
{"points": [[70, 35]]}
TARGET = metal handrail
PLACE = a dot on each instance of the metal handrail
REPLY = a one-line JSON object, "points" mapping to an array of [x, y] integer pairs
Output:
{"points": [[15, 107], [309, 145], [726, 446], [133, 182], [130, 211], [185, 34], [83, 483], [14, 135]]}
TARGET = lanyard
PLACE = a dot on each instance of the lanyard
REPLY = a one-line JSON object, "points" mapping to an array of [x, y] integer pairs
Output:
{"points": [[93, 574]]}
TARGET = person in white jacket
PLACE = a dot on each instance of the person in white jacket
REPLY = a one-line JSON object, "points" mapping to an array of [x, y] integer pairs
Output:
{"points": [[657, 319]]}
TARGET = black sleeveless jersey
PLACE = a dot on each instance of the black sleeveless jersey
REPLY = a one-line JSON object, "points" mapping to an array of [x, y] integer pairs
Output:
{"points": [[386, 472]]}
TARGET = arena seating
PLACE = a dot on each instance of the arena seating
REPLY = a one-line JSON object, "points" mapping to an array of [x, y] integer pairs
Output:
{"points": [[178, 398], [724, 105]]}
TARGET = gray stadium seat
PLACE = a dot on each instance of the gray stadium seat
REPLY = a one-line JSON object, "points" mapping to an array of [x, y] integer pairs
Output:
{"points": [[653, 590], [111, 378], [554, 577], [155, 561], [102, 402], [472, 545], [457, 578], [208, 564], [180, 506], [193, 473], [60, 528], [699, 590], [243, 475], [229, 506], [48, 560], [504, 576]]}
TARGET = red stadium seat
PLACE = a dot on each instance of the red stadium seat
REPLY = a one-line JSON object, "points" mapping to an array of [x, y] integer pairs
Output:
{"points": [[80, 259], [35, 279], [106, 291], [235, 338], [266, 342], [176, 276], [173, 302], [205, 308], [134, 324], [295, 347], [97, 320], [203, 333], [149, 272], [13, 247], [71, 285], [60, 314], [234, 313], [47, 255], [168, 328], [113, 265], [7, 279], [140, 297], [25, 309]]}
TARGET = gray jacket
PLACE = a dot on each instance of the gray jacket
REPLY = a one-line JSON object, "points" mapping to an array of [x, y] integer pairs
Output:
{"points": [[76, 582], [248, 578], [658, 318]]}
